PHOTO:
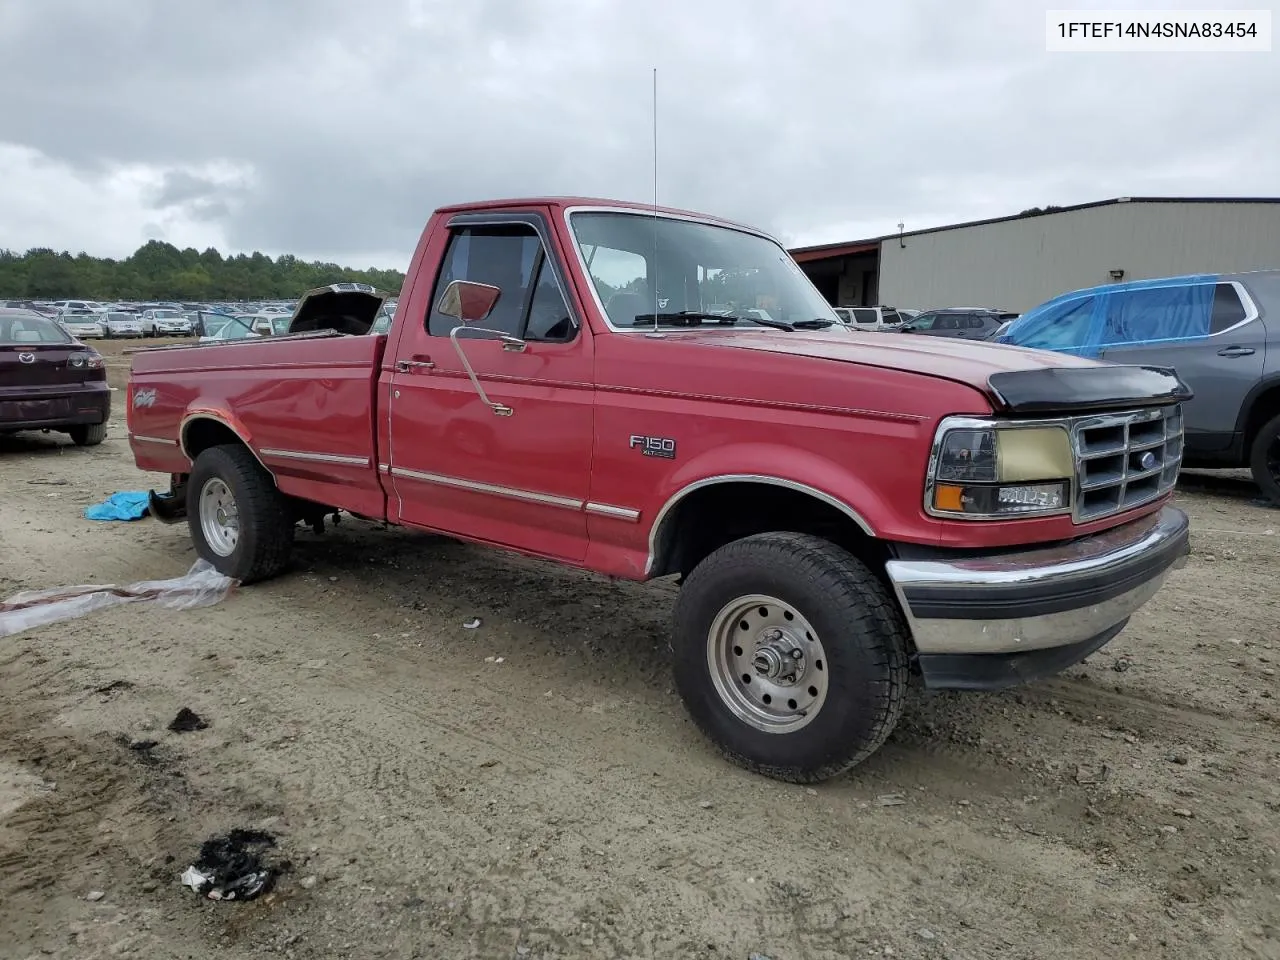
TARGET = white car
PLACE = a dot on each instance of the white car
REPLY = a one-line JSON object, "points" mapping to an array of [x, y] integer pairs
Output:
{"points": [[870, 318], [92, 306], [83, 326], [236, 328], [121, 324], [162, 322]]}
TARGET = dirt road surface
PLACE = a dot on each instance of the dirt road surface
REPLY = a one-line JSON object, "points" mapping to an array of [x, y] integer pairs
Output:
{"points": [[532, 787]]}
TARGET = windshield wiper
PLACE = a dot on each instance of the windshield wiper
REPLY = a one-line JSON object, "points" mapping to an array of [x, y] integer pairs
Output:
{"points": [[818, 324], [691, 318]]}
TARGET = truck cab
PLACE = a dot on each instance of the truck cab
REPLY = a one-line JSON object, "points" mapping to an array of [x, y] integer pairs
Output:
{"points": [[658, 393]]}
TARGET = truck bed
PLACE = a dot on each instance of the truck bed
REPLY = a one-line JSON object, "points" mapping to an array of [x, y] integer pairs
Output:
{"points": [[305, 405]]}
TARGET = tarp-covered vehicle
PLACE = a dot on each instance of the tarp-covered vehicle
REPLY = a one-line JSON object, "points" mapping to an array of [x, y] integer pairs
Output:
{"points": [[1217, 330]]}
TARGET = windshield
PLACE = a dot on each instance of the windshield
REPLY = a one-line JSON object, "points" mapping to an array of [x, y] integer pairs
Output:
{"points": [[168, 315], [236, 328], [121, 318], [641, 265], [30, 328]]}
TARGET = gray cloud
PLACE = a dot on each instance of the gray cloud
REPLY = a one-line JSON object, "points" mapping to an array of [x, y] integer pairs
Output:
{"points": [[820, 121]]}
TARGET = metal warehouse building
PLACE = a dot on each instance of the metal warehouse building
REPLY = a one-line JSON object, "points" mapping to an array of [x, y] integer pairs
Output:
{"points": [[1014, 263]]}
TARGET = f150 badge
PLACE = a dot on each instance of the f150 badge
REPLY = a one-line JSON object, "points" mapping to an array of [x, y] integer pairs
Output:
{"points": [[663, 447]]}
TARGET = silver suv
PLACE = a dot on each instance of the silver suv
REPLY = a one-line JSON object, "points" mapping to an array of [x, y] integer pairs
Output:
{"points": [[1218, 331]]}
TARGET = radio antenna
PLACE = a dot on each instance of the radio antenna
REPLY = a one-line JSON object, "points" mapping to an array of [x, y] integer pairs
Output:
{"points": [[653, 282]]}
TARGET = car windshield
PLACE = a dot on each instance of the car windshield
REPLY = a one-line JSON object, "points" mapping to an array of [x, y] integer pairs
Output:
{"points": [[236, 328], [641, 266], [121, 318], [31, 328], [169, 315]]}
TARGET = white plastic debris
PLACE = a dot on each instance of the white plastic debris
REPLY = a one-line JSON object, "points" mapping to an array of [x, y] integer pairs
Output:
{"points": [[471, 624], [193, 878], [201, 586]]}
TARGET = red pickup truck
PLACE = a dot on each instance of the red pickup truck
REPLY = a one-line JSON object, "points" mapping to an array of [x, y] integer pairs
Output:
{"points": [[651, 393]]}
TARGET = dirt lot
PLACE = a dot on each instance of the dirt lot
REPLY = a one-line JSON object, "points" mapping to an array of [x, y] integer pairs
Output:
{"points": [[434, 802]]}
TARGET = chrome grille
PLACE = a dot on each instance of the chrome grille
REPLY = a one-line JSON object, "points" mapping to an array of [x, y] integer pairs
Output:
{"points": [[1124, 460]]}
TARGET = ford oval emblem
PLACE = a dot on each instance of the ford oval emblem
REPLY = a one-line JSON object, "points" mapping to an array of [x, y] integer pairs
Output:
{"points": [[1148, 461], [26, 358]]}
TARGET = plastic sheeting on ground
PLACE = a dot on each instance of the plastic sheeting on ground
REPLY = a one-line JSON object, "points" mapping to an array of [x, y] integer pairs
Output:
{"points": [[201, 586], [124, 505]]}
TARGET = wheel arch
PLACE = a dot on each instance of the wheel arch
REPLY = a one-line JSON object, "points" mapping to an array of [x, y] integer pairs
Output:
{"points": [[1262, 403], [707, 513], [202, 429]]}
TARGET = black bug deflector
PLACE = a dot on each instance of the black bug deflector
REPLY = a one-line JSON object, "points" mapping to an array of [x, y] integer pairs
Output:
{"points": [[1064, 390]]}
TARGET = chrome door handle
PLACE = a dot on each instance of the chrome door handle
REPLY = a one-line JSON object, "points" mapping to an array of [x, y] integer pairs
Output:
{"points": [[1236, 352], [407, 366]]}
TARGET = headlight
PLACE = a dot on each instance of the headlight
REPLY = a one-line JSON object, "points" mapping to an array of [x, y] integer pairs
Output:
{"points": [[981, 470]]}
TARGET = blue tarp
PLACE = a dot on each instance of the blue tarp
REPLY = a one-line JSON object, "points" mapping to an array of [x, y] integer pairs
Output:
{"points": [[1084, 322], [125, 505]]}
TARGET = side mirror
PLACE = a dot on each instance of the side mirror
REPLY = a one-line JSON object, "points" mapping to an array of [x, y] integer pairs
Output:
{"points": [[467, 301]]}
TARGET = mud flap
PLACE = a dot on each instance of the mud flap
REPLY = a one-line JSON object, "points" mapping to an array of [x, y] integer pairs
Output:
{"points": [[167, 508]]}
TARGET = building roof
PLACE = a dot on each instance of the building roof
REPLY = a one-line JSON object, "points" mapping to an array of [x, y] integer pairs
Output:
{"points": [[824, 251]]}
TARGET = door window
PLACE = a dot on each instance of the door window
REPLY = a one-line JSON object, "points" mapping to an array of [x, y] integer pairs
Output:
{"points": [[864, 316], [1173, 312], [891, 316], [1227, 309], [511, 258]]}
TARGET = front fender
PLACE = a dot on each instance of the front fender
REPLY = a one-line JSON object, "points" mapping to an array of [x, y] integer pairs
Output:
{"points": [[785, 466]]}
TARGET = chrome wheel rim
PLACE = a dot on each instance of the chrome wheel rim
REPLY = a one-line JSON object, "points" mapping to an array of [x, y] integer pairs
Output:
{"points": [[767, 664], [219, 517]]}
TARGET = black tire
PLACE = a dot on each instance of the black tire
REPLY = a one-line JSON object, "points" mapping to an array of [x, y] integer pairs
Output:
{"points": [[1264, 464], [863, 639], [265, 536], [87, 434]]}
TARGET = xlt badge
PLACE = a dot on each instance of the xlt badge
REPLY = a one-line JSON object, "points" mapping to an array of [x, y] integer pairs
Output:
{"points": [[663, 447]]}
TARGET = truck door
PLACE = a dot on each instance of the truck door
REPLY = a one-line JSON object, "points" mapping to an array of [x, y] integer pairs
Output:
{"points": [[1148, 326], [520, 476]]}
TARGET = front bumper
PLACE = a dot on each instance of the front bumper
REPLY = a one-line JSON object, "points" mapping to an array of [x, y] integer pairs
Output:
{"points": [[989, 621]]}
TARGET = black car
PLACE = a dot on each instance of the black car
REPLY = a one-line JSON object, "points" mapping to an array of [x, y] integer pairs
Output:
{"points": [[966, 323]]}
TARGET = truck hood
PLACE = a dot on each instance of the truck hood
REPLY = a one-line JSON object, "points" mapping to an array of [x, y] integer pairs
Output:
{"points": [[345, 307], [1014, 379]]}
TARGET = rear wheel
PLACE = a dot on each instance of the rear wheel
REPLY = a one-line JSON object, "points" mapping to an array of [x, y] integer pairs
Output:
{"points": [[1264, 460], [790, 655], [88, 434], [239, 521]]}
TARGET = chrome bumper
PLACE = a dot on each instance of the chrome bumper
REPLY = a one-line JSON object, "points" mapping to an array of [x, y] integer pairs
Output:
{"points": [[1042, 599]]}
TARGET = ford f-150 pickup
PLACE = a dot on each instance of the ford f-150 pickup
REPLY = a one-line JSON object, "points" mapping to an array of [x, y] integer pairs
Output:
{"points": [[655, 393]]}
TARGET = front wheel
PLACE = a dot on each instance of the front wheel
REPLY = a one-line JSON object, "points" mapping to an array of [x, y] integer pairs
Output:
{"points": [[238, 519], [790, 656], [1264, 460]]}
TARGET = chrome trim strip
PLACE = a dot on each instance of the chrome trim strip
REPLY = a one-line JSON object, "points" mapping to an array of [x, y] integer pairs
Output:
{"points": [[315, 457], [684, 491], [164, 440], [608, 510], [384, 468], [496, 490]]}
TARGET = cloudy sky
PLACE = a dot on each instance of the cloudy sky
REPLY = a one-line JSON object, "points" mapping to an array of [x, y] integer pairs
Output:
{"points": [[331, 129]]}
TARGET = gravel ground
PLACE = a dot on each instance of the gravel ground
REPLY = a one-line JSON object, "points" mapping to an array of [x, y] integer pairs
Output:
{"points": [[433, 800]]}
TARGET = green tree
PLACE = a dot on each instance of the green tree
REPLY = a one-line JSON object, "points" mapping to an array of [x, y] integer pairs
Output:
{"points": [[160, 271]]}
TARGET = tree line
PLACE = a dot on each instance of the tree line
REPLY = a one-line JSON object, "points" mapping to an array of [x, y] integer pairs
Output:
{"points": [[160, 271]]}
